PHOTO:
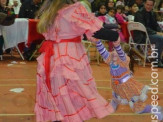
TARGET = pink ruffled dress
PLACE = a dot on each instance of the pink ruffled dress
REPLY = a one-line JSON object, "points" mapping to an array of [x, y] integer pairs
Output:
{"points": [[74, 97]]}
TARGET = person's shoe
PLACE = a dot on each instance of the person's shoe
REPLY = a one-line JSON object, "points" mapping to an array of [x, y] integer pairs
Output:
{"points": [[160, 64], [147, 109]]}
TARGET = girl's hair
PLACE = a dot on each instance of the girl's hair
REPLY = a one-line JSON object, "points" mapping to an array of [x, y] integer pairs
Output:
{"points": [[100, 5], [112, 8], [121, 7], [107, 1], [132, 3], [48, 13]]}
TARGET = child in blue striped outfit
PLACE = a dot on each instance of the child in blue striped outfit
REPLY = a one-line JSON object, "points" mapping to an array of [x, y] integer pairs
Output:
{"points": [[126, 90]]}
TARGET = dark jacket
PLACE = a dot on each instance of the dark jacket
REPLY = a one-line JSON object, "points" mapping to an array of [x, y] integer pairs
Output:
{"points": [[28, 9], [148, 19], [7, 16], [2, 17]]}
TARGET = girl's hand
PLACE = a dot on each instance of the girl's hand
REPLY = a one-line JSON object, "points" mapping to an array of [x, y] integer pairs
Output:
{"points": [[92, 39], [117, 43]]}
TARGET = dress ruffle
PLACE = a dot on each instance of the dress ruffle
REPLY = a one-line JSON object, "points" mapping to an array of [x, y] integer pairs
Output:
{"points": [[130, 92], [74, 97], [83, 19]]}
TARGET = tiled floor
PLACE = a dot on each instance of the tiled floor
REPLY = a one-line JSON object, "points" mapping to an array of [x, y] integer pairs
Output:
{"points": [[18, 107]]}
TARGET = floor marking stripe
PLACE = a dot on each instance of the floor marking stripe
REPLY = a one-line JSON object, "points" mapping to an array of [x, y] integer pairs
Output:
{"points": [[17, 79], [1, 85], [95, 80], [115, 114], [135, 79]]}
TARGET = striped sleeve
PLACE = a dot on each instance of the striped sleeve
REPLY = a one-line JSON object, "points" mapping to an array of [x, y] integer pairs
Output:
{"points": [[102, 50], [120, 52]]}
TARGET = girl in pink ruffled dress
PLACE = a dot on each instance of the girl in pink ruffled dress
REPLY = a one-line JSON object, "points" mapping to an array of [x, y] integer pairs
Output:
{"points": [[66, 90]]}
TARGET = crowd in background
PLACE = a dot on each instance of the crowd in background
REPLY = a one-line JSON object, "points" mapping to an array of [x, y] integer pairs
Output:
{"points": [[113, 13], [116, 13], [17, 9]]}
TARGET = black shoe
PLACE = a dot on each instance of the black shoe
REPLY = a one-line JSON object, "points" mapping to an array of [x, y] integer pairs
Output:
{"points": [[160, 64]]}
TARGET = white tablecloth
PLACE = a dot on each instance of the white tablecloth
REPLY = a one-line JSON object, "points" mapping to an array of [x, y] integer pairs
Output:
{"points": [[15, 33], [161, 25]]}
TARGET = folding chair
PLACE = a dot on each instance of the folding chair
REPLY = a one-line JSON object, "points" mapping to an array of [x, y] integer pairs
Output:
{"points": [[36, 50], [140, 27], [87, 44], [91, 48]]}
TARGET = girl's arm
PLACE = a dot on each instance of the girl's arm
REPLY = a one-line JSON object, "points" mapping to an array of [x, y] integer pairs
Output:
{"points": [[102, 50], [119, 50]]}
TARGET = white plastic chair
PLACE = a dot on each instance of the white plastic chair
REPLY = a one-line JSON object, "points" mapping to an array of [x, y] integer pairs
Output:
{"points": [[140, 27]]}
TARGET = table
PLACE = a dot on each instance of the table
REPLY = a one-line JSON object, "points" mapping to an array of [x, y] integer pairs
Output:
{"points": [[23, 30], [15, 33]]}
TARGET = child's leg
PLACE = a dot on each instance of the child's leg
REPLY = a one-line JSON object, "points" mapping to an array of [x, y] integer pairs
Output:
{"points": [[114, 101]]}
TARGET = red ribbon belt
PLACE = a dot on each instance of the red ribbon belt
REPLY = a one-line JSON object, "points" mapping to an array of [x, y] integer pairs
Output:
{"points": [[47, 47]]}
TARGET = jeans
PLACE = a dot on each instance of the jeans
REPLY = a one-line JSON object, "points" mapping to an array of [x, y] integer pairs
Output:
{"points": [[158, 41]]}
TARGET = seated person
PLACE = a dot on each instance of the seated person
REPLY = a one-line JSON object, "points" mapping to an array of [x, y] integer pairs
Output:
{"points": [[101, 10], [15, 4], [110, 20], [133, 8], [160, 11], [147, 17], [7, 17]]}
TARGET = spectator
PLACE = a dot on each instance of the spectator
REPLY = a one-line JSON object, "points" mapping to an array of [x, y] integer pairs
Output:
{"points": [[29, 8], [9, 19], [139, 3], [126, 11], [110, 4], [120, 2], [4, 8], [120, 16], [160, 6], [101, 10], [133, 8], [95, 4], [127, 2], [110, 20], [15, 4], [147, 17], [160, 11], [22, 1]]}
